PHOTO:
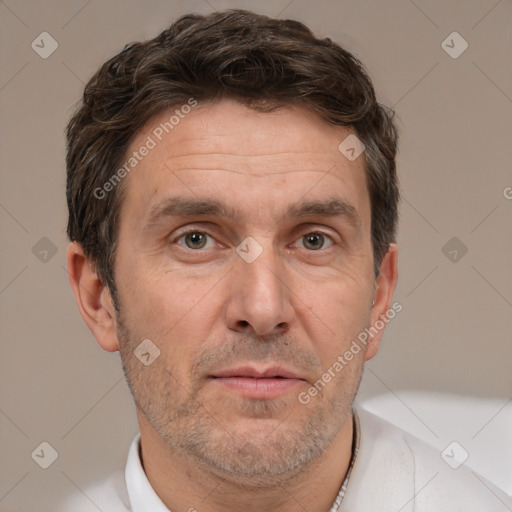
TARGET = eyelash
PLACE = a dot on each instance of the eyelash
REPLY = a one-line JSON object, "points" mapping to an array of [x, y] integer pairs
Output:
{"points": [[188, 232]]}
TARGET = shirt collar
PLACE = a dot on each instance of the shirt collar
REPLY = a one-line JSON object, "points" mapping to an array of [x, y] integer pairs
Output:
{"points": [[355, 448], [143, 497]]}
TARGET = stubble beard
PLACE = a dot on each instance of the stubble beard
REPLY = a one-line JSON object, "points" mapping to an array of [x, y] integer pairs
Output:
{"points": [[265, 457]]}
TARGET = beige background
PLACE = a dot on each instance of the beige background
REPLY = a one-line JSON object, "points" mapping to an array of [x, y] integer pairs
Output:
{"points": [[455, 118]]}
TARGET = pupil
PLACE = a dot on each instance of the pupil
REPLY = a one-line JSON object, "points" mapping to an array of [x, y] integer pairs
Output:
{"points": [[315, 240], [196, 239]]}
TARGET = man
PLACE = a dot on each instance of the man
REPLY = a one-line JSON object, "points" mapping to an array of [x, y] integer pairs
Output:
{"points": [[232, 203]]}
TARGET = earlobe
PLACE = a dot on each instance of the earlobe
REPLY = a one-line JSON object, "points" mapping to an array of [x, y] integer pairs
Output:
{"points": [[382, 298], [92, 297]]}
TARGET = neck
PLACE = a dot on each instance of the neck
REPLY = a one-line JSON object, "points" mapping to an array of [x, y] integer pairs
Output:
{"points": [[184, 485]]}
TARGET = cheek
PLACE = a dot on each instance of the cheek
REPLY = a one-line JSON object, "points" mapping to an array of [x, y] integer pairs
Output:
{"points": [[337, 311], [175, 313], [156, 299]]}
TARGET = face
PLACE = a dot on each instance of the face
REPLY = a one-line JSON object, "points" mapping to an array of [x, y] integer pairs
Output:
{"points": [[245, 256]]}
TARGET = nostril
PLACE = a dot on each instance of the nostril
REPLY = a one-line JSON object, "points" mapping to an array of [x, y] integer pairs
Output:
{"points": [[282, 327]]}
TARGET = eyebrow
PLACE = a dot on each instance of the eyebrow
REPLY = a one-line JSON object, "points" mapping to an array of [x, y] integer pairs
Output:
{"points": [[331, 207], [210, 207]]}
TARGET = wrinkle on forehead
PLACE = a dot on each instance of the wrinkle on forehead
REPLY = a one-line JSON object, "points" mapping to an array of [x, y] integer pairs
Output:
{"points": [[261, 165], [251, 172], [211, 127], [225, 145]]}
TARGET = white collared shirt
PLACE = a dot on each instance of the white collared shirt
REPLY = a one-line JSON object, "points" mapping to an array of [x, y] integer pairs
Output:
{"points": [[393, 471]]}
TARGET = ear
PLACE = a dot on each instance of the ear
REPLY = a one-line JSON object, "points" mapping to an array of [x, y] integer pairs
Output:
{"points": [[383, 295], [92, 297]]}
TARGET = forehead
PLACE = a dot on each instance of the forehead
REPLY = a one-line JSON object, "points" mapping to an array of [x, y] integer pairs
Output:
{"points": [[236, 153]]}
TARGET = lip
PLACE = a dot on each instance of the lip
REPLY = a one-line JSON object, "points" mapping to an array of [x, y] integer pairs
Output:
{"points": [[258, 383], [257, 373]]}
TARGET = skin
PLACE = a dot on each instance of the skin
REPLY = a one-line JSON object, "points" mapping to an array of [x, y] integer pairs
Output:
{"points": [[298, 305]]}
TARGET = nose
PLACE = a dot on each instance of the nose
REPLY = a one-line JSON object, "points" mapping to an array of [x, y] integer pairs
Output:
{"points": [[259, 298]]}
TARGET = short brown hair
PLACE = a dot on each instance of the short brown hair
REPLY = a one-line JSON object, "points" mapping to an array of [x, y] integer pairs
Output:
{"points": [[261, 62]]}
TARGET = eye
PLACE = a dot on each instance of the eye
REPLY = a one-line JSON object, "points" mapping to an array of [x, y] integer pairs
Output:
{"points": [[195, 240], [315, 241]]}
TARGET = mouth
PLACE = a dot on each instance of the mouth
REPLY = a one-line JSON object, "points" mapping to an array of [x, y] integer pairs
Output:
{"points": [[258, 383]]}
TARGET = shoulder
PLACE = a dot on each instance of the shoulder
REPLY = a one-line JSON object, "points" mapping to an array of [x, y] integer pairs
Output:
{"points": [[453, 483], [396, 471]]}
